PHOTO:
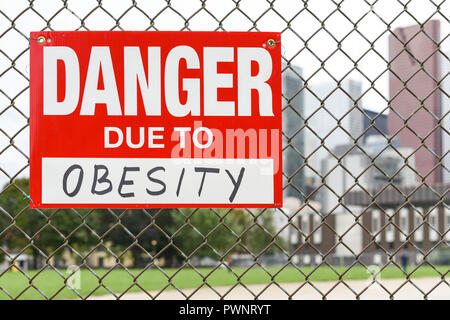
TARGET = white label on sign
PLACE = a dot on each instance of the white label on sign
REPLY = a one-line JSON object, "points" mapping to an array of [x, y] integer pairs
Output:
{"points": [[160, 181]]}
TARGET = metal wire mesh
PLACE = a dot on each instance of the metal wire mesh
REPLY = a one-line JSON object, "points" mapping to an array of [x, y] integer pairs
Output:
{"points": [[356, 202]]}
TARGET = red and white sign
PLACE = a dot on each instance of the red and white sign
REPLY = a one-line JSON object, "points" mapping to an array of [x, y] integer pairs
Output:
{"points": [[155, 119]]}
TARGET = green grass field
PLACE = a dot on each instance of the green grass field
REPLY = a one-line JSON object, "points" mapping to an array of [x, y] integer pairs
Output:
{"points": [[52, 284]]}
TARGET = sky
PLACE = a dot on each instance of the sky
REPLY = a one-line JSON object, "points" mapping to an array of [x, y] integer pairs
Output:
{"points": [[299, 21]]}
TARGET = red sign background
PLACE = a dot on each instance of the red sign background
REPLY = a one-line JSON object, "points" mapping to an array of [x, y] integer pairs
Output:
{"points": [[74, 135]]}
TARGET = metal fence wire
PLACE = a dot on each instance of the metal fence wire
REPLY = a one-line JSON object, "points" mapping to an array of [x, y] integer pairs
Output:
{"points": [[366, 164]]}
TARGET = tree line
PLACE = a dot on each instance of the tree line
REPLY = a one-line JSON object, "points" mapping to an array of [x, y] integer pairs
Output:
{"points": [[170, 235]]}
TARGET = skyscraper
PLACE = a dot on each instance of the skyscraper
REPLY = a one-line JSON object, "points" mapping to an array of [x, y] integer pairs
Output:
{"points": [[378, 127], [332, 120], [445, 100], [414, 97], [293, 138]]}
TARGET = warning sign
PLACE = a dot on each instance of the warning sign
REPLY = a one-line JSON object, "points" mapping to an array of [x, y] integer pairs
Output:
{"points": [[155, 119]]}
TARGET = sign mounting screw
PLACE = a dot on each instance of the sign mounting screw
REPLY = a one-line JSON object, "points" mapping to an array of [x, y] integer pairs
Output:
{"points": [[41, 40], [271, 43]]}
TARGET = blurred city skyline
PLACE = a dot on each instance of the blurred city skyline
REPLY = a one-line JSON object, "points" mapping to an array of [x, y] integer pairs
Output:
{"points": [[311, 31]]}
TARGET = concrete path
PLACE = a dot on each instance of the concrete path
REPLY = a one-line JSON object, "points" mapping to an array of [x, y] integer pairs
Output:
{"points": [[305, 291]]}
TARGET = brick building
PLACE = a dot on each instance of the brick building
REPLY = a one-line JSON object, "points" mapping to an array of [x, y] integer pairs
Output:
{"points": [[377, 228]]}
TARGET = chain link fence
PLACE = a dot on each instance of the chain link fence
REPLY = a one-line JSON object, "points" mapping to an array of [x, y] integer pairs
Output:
{"points": [[366, 165]]}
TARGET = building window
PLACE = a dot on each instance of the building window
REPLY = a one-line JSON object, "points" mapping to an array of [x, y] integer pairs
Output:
{"points": [[447, 222], [305, 225], [434, 225], [375, 221], [376, 224], [404, 224], [318, 229], [101, 262], [433, 219], [418, 223]]}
